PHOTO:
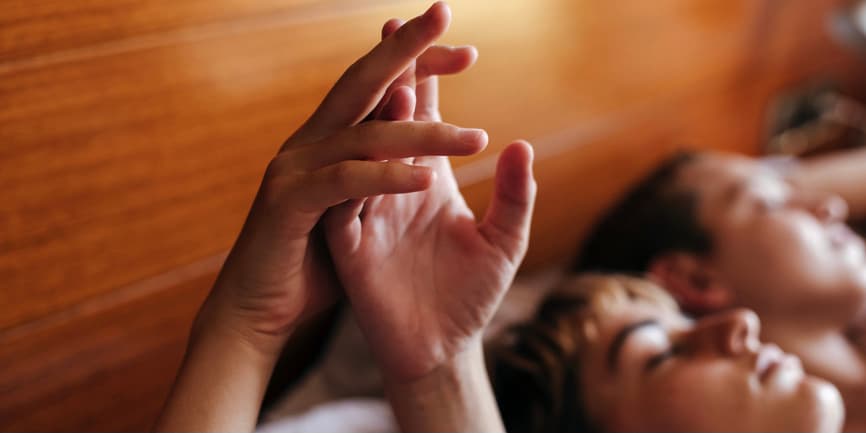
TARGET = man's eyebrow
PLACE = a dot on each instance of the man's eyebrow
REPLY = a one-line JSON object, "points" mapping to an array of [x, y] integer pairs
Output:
{"points": [[621, 337]]}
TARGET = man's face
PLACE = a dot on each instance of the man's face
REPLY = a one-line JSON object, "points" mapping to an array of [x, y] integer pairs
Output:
{"points": [[783, 250]]}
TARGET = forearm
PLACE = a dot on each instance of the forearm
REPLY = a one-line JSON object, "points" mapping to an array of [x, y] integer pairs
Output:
{"points": [[456, 397], [221, 382]]}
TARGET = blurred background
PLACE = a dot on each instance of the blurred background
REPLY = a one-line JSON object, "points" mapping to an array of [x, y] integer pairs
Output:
{"points": [[133, 135]]}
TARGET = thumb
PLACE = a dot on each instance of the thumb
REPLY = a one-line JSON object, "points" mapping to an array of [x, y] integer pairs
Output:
{"points": [[506, 224]]}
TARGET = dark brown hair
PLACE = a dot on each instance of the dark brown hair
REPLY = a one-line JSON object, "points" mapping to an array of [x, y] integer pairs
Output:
{"points": [[535, 367], [656, 217]]}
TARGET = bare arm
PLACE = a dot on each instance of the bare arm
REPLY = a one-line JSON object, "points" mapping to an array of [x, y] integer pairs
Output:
{"points": [[222, 380], [841, 173], [278, 273], [457, 396]]}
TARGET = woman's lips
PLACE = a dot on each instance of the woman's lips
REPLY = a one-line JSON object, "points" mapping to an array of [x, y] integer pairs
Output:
{"points": [[841, 236], [771, 360]]}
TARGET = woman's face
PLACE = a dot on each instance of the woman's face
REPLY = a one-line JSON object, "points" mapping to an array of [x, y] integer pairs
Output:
{"points": [[648, 368]]}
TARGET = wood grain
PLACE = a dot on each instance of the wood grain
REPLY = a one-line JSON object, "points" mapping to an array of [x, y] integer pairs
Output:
{"points": [[57, 30], [111, 165], [107, 370]]}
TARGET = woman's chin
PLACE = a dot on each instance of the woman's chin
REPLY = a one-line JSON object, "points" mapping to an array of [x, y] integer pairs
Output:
{"points": [[829, 409]]}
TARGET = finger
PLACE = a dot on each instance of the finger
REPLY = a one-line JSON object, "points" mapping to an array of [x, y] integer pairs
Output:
{"points": [[397, 104], [361, 87], [405, 79], [391, 26], [380, 140], [343, 228], [438, 61], [347, 180], [401, 105], [506, 224], [445, 60], [427, 101]]}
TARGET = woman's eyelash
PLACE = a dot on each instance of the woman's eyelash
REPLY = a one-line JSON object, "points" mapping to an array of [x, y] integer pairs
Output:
{"points": [[770, 204], [657, 360]]}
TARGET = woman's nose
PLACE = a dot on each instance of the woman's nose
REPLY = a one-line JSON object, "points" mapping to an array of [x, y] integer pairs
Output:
{"points": [[729, 333], [830, 208]]}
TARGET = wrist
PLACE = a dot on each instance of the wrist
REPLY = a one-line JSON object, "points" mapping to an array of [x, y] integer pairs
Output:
{"points": [[456, 396], [467, 363], [221, 382], [219, 320]]}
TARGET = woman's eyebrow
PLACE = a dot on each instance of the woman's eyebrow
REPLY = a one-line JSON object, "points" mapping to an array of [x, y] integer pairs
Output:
{"points": [[613, 352]]}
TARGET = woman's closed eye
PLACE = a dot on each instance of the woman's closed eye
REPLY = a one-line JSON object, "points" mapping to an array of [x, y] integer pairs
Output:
{"points": [[769, 204], [657, 360]]}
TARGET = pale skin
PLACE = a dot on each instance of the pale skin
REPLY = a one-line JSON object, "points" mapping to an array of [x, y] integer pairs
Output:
{"points": [[392, 224], [712, 374], [781, 248]]}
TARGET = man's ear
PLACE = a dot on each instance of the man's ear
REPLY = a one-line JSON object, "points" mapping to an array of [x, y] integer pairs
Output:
{"points": [[692, 282]]}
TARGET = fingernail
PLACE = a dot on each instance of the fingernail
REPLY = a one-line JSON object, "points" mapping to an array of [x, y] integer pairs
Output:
{"points": [[472, 136]]}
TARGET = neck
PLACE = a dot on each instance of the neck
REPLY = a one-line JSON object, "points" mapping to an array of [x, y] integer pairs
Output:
{"points": [[827, 352]]}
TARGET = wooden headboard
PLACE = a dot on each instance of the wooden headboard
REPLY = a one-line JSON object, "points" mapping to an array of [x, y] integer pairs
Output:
{"points": [[133, 135]]}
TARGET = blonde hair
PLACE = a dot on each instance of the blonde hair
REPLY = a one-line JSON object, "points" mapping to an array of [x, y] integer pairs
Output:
{"points": [[535, 367]]}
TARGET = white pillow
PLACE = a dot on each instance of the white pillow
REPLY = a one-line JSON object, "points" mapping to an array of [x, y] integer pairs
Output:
{"points": [[362, 415]]}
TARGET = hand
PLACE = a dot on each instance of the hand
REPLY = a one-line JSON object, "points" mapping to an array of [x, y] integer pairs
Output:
{"points": [[414, 95], [422, 276], [277, 273]]}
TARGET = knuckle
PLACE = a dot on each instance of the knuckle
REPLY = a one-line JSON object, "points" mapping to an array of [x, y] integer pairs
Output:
{"points": [[363, 133], [389, 173], [361, 73], [441, 132], [366, 139], [422, 69], [273, 169], [402, 35], [342, 173], [273, 189], [355, 69]]}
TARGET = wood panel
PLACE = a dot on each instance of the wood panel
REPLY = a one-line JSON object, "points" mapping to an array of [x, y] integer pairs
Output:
{"points": [[133, 141], [110, 165], [107, 369], [84, 28]]}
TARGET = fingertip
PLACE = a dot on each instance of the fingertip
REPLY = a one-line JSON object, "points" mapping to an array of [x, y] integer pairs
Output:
{"points": [[514, 172], [475, 140], [520, 154], [509, 216], [404, 92], [485, 139], [462, 58], [423, 176], [471, 54], [391, 26], [439, 16], [400, 105]]}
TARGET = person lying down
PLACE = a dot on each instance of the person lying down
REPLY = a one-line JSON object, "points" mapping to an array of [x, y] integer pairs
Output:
{"points": [[615, 354], [721, 231]]}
